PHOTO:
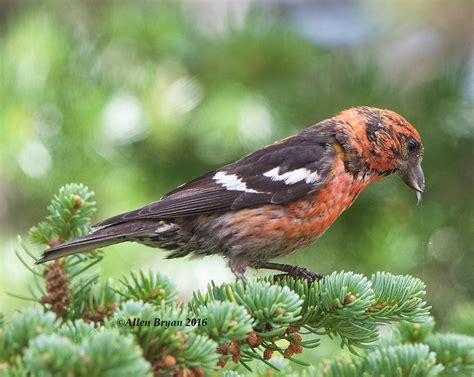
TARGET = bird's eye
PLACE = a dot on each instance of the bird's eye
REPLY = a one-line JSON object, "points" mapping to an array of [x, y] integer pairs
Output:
{"points": [[412, 145]]}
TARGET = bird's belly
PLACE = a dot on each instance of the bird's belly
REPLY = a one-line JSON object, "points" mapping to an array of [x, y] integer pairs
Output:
{"points": [[274, 230]]}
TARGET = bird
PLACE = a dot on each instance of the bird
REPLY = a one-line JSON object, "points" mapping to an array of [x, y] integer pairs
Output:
{"points": [[274, 201]]}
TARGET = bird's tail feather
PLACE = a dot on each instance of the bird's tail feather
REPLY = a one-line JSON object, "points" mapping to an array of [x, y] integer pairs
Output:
{"points": [[90, 242], [110, 235], [100, 238]]}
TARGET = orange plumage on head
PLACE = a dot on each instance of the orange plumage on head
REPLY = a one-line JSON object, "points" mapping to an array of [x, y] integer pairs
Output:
{"points": [[380, 137]]}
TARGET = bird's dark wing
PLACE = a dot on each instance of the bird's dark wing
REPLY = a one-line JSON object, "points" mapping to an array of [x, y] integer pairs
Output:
{"points": [[279, 173]]}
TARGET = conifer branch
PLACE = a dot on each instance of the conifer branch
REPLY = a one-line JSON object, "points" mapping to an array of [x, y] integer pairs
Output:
{"points": [[135, 326]]}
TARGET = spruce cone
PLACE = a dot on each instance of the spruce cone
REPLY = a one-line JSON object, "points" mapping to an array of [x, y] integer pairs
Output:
{"points": [[98, 314], [57, 287], [267, 354], [167, 361]]}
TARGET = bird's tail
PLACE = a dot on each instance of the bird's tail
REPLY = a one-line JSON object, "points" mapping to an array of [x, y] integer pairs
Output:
{"points": [[106, 236], [87, 243]]}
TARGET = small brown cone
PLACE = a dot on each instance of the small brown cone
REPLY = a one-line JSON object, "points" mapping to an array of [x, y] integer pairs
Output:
{"points": [[289, 352], [234, 350], [221, 363], [99, 314], [254, 340], [57, 287], [78, 201], [167, 361], [267, 354], [198, 372]]}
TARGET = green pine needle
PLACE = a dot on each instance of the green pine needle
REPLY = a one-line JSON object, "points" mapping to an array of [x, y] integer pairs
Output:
{"points": [[136, 327]]}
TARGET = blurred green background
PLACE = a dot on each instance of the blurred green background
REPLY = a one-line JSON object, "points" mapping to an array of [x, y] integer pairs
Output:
{"points": [[134, 98]]}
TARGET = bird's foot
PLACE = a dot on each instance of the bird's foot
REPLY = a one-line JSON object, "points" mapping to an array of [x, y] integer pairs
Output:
{"points": [[242, 278], [302, 272], [292, 271]]}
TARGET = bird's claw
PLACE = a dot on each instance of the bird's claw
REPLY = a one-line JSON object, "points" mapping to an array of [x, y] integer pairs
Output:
{"points": [[242, 279], [301, 272]]}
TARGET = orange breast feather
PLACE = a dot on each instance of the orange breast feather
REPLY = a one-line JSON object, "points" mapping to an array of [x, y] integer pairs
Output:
{"points": [[311, 216]]}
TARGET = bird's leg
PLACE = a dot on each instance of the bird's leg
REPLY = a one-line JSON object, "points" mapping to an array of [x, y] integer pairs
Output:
{"points": [[293, 271], [238, 267]]}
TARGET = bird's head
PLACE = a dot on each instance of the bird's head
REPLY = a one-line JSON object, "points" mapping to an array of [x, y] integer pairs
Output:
{"points": [[388, 144]]}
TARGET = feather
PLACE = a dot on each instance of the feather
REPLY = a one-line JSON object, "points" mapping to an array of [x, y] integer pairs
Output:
{"points": [[78, 246], [103, 237], [279, 173]]}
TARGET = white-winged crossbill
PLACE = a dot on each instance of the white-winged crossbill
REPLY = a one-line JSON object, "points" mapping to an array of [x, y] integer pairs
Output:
{"points": [[274, 201]]}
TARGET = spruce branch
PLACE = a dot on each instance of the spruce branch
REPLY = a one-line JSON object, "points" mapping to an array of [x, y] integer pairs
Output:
{"points": [[69, 216], [225, 321], [414, 332], [455, 352], [77, 331], [413, 360], [109, 354], [399, 360], [274, 308], [170, 347], [135, 326], [343, 303], [398, 297], [15, 368], [51, 355], [64, 286], [36, 341], [98, 302], [149, 287], [199, 354], [25, 326]]}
